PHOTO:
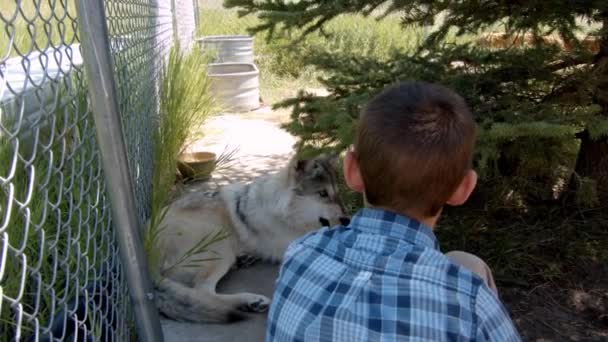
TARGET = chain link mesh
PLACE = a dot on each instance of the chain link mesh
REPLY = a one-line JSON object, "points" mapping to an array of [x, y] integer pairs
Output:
{"points": [[60, 273], [140, 37]]}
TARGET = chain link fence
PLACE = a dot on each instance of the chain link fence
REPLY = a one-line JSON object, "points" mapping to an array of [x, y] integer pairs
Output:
{"points": [[61, 276]]}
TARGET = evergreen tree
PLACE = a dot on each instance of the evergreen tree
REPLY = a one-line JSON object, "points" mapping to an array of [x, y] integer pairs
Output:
{"points": [[539, 91]]}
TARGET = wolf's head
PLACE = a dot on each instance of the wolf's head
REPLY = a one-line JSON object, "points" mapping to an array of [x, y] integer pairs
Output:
{"points": [[315, 201]]}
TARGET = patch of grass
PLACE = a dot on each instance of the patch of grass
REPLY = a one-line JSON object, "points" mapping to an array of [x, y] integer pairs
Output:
{"points": [[185, 103], [36, 25]]}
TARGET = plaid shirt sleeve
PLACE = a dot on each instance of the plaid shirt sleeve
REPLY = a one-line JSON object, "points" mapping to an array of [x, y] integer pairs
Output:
{"points": [[494, 322]]}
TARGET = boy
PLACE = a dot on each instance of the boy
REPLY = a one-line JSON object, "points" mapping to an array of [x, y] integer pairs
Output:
{"points": [[382, 277]]}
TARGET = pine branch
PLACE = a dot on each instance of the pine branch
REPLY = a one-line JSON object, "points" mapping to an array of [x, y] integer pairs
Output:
{"points": [[568, 63], [466, 16]]}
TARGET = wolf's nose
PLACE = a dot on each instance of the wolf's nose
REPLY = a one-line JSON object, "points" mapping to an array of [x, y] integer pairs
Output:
{"points": [[324, 222], [344, 221]]}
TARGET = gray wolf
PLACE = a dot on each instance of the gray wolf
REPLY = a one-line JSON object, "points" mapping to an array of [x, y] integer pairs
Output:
{"points": [[261, 219]]}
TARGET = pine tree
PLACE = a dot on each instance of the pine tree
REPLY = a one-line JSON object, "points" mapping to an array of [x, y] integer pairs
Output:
{"points": [[539, 90]]}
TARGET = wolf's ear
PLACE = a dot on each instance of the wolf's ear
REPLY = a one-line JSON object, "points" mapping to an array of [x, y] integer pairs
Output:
{"points": [[333, 159], [297, 172], [300, 165], [310, 169]]}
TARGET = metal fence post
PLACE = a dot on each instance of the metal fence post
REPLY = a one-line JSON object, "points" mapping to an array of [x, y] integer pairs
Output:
{"points": [[174, 23], [196, 18], [100, 79]]}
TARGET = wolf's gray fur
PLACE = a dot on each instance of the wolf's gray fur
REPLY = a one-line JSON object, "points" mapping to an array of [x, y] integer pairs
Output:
{"points": [[263, 217]]}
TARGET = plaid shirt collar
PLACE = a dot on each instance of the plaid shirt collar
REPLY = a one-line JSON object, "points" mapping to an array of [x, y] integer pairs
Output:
{"points": [[387, 223]]}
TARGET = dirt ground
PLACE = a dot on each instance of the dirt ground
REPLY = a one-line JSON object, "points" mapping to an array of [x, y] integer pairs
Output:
{"points": [[573, 311], [577, 311]]}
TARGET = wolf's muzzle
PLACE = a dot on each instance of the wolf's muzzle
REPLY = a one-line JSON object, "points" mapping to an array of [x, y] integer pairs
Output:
{"points": [[325, 222], [344, 221]]}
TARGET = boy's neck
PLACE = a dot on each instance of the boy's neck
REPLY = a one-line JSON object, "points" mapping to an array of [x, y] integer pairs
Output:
{"points": [[430, 222]]}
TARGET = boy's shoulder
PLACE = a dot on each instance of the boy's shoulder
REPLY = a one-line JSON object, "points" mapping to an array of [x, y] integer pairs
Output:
{"points": [[427, 264], [310, 239], [431, 278]]}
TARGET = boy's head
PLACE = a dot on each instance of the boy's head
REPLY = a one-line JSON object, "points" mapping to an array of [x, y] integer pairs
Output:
{"points": [[413, 150]]}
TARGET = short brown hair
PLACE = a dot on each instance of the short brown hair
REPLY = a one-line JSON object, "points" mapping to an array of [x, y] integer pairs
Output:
{"points": [[414, 146]]}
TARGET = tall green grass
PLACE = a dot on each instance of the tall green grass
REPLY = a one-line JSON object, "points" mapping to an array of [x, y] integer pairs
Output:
{"points": [[185, 103]]}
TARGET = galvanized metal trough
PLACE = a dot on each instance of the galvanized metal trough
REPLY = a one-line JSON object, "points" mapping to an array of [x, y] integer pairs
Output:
{"points": [[229, 49], [236, 86]]}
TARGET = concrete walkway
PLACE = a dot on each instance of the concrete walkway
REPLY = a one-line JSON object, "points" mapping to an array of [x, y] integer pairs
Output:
{"points": [[261, 147]]}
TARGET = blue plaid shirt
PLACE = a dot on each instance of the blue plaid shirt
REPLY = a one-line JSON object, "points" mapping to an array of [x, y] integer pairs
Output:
{"points": [[381, 278]]}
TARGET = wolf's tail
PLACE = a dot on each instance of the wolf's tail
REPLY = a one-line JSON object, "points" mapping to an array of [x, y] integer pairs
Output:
{"points": [[183, 303]]}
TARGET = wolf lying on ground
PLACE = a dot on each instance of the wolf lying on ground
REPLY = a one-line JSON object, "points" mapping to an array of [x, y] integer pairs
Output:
{"points": [[262, 217]]}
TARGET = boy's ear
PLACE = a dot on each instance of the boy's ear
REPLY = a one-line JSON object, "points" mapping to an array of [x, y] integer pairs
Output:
{"points": [[352, 173], [464, 190]]}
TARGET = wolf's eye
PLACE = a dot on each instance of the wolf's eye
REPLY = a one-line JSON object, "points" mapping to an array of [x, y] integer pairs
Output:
{"points": [[323, 193]]}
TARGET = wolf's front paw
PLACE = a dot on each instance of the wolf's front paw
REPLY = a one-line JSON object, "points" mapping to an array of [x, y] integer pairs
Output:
{"points": [[245, 261], [258, 304]]}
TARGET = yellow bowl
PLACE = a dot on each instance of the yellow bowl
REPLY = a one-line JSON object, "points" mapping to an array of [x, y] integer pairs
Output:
{"points": [[197, 165]]}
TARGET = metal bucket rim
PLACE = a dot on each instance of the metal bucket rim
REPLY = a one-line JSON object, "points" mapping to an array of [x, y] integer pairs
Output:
{"points": [[253, 72], [225, 37]]}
